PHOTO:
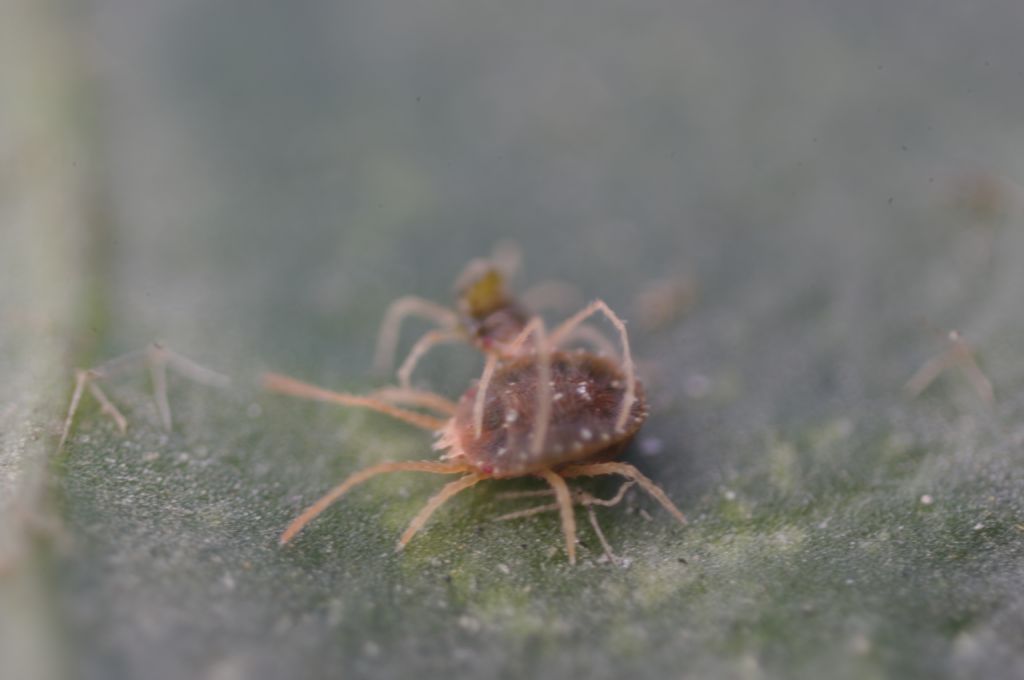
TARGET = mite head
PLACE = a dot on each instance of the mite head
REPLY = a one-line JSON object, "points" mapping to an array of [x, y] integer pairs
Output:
{"points": [[488, 313], [481, 290]]}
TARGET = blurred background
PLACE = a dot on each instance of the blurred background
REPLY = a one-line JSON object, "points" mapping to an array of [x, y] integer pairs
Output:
{"points": [[792, 203]]}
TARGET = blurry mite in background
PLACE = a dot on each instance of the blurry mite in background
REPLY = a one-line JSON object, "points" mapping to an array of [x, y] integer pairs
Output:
{"points": [[960, 355]]}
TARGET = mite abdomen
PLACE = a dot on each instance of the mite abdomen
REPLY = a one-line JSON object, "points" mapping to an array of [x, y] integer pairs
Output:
{"points": [[586, 392]]}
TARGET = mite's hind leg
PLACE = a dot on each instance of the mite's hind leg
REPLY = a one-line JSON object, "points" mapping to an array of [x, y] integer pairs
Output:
{"points": [[592, 516], [358, 478], [413, 397], [410, 305], [427, 342], [580, 497], [561, 333], [564, 500], [959, 353], [628, 471], [449, 490], [283, 384], [157, 358]]}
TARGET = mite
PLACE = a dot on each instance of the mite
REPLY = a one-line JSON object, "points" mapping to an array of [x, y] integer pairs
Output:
{"points": [[536, 410]]}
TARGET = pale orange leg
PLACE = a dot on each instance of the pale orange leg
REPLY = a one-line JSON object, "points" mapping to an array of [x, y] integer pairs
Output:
{"points": [[563, 331], [81, 379], [629, 472], [107, 407], [960, 353], [414, 397], [481, 392], [157, 357], [427, 342], [410, 305], [582, 498], [579, 497], [436, 501], [543, 414], [928, 372], [597, 339], [282, 384], [565, 509], [358, 478], [592, 516], [542, 417]]}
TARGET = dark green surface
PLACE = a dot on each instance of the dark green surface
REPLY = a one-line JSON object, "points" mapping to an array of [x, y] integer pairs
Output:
{"points": [[271, 177]]}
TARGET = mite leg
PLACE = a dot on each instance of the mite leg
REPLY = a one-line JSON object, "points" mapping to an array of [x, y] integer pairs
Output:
{"points": [[592, 516], [157, 357], [590, 502], [410, 305], [528, 512], [481, 394], [629, 472], [582, 498], [598, 306], [282, 384], [565, 510], [958, 353], [449, 490], [595, 338], [81, 380], [358, 478], [579, 497], [428, 341], [413, 397], [542, 416], [107, 407]]}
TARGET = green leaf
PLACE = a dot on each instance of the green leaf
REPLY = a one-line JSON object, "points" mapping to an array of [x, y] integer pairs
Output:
{"points": [[253, 185]]}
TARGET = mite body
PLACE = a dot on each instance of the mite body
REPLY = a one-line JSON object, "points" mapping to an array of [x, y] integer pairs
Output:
{"points": [[586, 395]]}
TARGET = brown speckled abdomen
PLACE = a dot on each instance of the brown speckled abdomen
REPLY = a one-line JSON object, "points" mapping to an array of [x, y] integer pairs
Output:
{"points": [[586, 393]]}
